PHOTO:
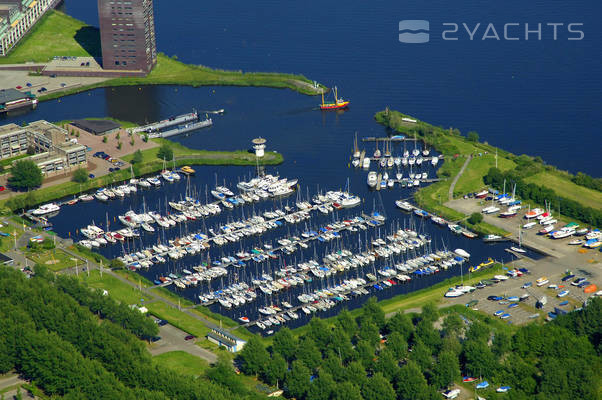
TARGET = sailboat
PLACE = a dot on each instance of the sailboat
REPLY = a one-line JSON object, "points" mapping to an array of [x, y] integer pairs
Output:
{"points": [[338, 103], [356, 150]]}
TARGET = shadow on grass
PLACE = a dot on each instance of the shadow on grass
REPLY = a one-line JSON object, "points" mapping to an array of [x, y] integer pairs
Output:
{"points": [[88, 38]]}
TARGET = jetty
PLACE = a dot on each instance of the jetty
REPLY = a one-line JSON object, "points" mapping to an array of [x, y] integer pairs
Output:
{"points": [[389, 139], [182, 129], [167, 123]]}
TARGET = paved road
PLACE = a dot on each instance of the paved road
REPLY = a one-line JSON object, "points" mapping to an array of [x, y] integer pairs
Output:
{"points": [[453, 184], [172, 339]]}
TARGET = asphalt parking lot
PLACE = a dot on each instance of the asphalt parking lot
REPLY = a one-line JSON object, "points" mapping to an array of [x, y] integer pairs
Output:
{"points": [[587, 265]]}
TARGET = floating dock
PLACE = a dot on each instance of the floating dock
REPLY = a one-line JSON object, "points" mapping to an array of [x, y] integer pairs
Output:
{"points": [[389, 139], [167, 123], [182, 129]]}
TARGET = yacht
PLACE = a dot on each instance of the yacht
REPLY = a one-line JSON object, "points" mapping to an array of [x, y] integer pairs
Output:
{"points": [[46, 209], [372, 179]]}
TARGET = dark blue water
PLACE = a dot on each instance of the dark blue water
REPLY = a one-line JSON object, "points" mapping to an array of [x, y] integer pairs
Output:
{"points": [[535, 97]]}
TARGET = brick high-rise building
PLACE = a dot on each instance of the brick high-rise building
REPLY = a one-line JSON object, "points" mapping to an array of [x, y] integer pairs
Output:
{"points": [[127, 35]]}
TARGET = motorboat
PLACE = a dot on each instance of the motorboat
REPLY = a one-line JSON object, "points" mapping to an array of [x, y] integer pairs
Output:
{"points": [[372, 178], [46, 209]]}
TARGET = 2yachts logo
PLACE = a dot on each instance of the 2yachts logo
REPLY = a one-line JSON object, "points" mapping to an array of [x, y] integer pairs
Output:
{"points": [[418, 31]]}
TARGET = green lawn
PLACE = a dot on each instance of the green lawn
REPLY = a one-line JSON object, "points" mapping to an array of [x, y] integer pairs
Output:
{"points": [[178, 319], [182, 362], [56, 34], [564, 187], [166, 293], [472, 178], [118, 290], [55, 260], [187, 156]]}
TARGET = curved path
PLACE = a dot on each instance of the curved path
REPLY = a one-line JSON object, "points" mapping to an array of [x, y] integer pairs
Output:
{"points": [[453, 184]]}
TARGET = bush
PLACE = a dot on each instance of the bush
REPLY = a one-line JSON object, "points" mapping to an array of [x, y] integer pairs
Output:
{"points": [[137, 158], [165, 152], [25, 174], [475, 218], [119, 145], [472, 136], [80, 175], [104, 139]]}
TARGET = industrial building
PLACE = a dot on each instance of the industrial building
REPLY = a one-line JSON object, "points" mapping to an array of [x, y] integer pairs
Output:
{"points": [[222, 338], [53, 149], [17, 17], [11, 99], [127, 35]]}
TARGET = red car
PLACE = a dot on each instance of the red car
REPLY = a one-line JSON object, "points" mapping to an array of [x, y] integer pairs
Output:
{"points": [[2, 188], [19, 87]]}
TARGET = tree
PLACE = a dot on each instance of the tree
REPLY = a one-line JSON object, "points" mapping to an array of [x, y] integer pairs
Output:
{"points": [[297, 379], [429, 312], [223, 373], [356, 373], [322, 387], [398, 345], [365, 351], [346, 391], [452, 324], [371, 311], [31, 150], [475, 218], [478, 358], [25, 174], [104, 139], [369, 332], [118, 136], [165, 152], [80, 175], [308, 352], [254, 357], [378, 388], [137, 157], [401, 322], [446, 370], [410, 383], [132, 141], [386, 364], [119, 145], [502, 342], [285, 343], [275, 370], [422, 355], [472, 136], [478, 332]]}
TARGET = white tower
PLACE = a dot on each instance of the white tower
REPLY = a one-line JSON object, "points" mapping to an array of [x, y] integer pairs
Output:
{"points": [[259, 147]]}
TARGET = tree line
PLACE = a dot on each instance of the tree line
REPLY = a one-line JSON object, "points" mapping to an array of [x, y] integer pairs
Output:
{"points": [[541, 195], [49, 335], [413, 357]]}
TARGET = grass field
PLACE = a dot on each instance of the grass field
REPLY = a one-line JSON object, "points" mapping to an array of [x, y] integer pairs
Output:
{"points": [[56, 34], [568, 189], [184, 155], [118, 290], [55, 260], [182, 362], [472, 178], [178, 319]]}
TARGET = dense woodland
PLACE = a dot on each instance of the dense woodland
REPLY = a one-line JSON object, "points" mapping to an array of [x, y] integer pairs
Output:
{"points": [[83, 346], [541, 195], [412, 357], [73, 342]]}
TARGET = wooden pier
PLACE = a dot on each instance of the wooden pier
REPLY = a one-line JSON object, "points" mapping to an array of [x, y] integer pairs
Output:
{"points": [[389, 139]]}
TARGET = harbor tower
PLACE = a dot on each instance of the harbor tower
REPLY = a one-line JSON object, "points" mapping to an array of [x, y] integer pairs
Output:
{"points": [[259, 147]]}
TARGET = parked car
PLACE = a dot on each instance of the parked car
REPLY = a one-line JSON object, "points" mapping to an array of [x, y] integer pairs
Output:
{"points": [[2, 188], [566, 278], [91, 176], [494, 298], [155, 338], [189, 337], [162, 322]]}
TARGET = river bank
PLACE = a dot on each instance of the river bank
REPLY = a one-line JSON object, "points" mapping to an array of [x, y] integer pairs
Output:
{"points": [[58, 34], [477, 159], [150, 164]]}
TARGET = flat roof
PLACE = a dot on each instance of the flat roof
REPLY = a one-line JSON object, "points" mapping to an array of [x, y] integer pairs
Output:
{"points": [[4, 258], [7, 95], [96, 126]]}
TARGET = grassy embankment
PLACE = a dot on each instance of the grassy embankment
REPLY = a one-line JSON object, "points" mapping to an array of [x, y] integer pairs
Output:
{"points": [[182, 362], [431, 294], [151, 163], [58, 34], [55, 259], [456, 149], [450, 143]]}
